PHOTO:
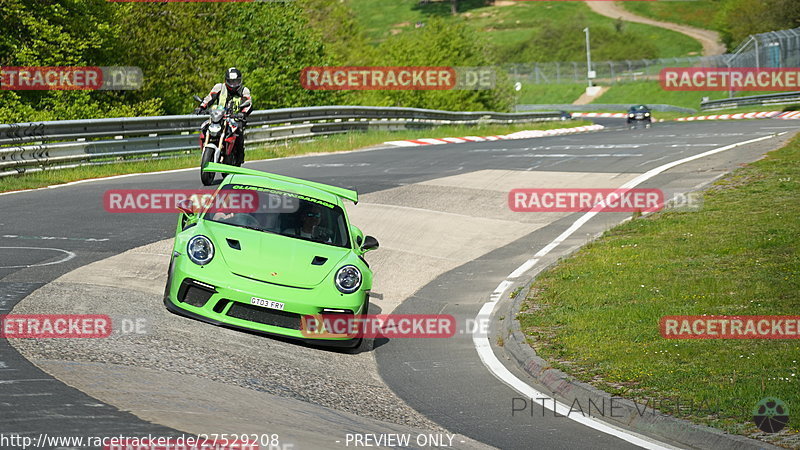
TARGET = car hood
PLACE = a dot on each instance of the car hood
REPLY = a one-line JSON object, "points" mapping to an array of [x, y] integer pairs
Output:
{"points": [[273, 258]]}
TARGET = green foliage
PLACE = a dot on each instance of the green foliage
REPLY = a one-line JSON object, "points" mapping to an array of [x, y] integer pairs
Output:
{"points": [[273, 50], [440, 43], [72, 32], [738, 19], [342, 33], [184, 48], [69, 105], [40, 32], [269, 42]]}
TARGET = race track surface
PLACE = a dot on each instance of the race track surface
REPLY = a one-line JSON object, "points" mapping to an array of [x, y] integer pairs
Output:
{"points": [[447, 239]]}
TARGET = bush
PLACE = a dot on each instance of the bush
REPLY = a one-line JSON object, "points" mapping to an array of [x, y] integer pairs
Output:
{"points": [[439, 43]]}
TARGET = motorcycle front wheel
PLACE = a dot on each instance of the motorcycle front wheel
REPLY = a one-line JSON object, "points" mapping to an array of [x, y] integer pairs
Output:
{"points": [[207, 177]]}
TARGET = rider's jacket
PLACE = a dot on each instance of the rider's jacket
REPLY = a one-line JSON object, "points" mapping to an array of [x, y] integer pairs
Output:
{"points": [[231, 99]]}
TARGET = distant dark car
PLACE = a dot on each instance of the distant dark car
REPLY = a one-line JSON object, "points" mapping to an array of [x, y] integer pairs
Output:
{"points": [[566, 116], [639, 113]]}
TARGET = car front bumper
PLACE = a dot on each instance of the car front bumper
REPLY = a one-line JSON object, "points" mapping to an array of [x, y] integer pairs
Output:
{"points": [[227, 302]]}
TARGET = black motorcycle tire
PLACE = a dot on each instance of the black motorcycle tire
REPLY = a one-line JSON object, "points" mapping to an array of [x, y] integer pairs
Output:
{"points": [[207, 177]]}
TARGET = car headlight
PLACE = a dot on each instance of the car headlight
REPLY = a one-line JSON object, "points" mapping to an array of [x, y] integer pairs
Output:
{"points": [[214, 128], [200, 250], [630, 115], [348, 279], [647, 114]]}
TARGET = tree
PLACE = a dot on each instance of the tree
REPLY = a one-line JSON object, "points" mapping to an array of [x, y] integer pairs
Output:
{"points": [[440, 43], [64, 33]]}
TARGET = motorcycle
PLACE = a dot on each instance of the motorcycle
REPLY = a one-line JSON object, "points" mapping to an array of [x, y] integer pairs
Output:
{"points": [[218, 136]]}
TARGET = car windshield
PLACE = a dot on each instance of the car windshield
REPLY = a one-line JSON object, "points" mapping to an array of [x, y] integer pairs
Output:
{"points": [[279, 212], [640, 108]]}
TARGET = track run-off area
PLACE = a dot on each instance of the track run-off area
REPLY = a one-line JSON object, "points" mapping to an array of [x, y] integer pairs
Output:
{"points": [[450, 244]]}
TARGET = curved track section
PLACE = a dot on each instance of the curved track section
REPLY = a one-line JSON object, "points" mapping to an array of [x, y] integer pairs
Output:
{"points": [[447, 239]]}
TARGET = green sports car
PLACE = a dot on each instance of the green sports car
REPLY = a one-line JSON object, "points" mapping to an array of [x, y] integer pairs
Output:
{"points": [[290, 254]]}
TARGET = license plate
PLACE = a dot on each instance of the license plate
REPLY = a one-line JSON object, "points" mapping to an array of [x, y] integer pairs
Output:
{"points": [[266, 303]]}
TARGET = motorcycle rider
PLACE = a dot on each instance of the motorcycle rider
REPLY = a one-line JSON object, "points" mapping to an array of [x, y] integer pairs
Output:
{"points": [[231, 94]]}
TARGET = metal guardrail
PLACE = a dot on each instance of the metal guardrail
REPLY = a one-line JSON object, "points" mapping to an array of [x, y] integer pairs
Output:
{"points": [[35, 145], [783, 98], [621, 107]]}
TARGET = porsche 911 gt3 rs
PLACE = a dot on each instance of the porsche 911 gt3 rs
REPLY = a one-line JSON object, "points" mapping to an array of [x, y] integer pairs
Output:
{"points": [[294, 254]]}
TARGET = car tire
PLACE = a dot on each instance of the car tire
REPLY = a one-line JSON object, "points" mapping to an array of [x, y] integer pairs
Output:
{"points": [[169, 278]]}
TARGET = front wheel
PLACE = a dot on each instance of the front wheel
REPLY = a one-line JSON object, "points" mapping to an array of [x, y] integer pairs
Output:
{"points": [[206, 177]]}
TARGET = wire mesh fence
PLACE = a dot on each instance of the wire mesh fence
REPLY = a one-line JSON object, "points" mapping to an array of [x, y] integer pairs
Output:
{"points": [[777, 49]]}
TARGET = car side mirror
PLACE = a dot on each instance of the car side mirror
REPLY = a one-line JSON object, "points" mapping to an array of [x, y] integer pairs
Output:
{"points": [[186, 206], [370, 243]]}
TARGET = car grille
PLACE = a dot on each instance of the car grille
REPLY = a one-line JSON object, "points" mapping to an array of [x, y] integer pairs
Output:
{"points": [[194, 295], [265, 316]]}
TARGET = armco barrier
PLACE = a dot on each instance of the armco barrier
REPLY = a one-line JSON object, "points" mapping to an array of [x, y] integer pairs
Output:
{"points": [[783, 98], [623, 107], [34, 145]]}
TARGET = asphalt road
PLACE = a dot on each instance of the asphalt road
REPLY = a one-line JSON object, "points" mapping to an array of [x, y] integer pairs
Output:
{"points": [[442, 379]]}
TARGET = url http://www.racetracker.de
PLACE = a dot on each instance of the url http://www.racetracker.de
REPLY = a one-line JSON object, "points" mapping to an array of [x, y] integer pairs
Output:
{"points": [[201, 442]]}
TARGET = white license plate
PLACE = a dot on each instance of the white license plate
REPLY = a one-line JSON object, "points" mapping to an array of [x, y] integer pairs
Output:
{"points": [[266, 303]]}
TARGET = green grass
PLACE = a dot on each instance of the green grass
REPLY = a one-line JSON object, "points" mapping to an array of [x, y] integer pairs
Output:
{"points": [[596, 314], [652, 92], [699, 13], [646, 92], [334, 143], [507, 26], [533, 94]]}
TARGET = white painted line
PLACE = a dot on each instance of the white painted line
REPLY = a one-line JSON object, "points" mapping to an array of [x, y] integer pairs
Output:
{"points": [[69, 255], [568, 155], [516, 135], [527, 265], [505, 284], [484, 348], [431, 141], [161, 172], [401, 143], [500, 371]]}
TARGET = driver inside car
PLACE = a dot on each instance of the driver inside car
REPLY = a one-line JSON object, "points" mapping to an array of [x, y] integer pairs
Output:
{"points": [[309, 227]]}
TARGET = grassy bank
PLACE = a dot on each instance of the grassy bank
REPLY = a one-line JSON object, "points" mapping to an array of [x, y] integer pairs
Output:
{"points": [[539, 94], [700, 14], [632, 93], [596, 314], [335, 143], [506, 25], [652, 92]]}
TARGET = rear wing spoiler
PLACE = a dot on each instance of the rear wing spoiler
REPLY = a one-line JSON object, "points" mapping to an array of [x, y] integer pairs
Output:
{"points": [[224, 168]]}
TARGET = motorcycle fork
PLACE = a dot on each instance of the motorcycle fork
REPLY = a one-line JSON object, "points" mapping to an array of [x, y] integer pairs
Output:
{"points": [[221, 143]]}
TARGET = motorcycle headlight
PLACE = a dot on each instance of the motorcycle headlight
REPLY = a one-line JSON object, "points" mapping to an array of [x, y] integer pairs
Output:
{"points": [[214, 128], [348, 279], [215, 115], [200, 250]]}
